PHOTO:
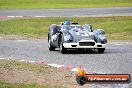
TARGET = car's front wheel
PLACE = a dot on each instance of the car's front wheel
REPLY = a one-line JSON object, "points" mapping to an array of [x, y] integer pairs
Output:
{"points": [[101, 50], [50, 46], [63, 50]]}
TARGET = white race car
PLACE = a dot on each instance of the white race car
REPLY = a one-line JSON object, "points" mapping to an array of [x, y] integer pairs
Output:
{"points": [[74, 36]]}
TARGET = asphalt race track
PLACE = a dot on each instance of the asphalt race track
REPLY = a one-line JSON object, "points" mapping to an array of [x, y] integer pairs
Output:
{"points": [[91, 12], [116, 59]]}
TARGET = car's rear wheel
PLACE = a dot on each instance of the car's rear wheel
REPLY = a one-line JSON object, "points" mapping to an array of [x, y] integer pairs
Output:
{"points": [[50, 46], [101, 50]]}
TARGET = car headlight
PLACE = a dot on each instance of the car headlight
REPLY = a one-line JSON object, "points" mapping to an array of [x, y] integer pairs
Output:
{"points": [[102, 39]]}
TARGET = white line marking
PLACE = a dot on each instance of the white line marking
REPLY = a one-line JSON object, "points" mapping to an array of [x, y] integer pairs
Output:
{"points": [[11, 16], [31, 61], [21, 40], [74, 69], [22, 60], [118, 44], [55, 65], [19, 16], [2, 58], [39, 16]]}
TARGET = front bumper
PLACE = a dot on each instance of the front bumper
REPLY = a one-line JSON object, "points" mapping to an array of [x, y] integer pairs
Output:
{"points": [[90, 44]]}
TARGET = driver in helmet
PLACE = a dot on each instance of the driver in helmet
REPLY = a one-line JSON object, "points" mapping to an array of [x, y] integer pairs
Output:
{"points": [[66, 25]]}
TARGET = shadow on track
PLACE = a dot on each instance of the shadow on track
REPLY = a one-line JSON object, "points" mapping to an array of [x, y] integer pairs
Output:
{"points": [[81, 51]]}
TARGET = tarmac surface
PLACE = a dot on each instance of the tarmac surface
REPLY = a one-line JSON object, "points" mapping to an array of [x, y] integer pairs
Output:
{"points": [[117, 57], [90, 12]]}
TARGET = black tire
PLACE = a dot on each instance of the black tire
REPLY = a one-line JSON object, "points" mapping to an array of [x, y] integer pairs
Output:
{"points": [[50, 46], [62, 48], [101, 50], [81, 80]]}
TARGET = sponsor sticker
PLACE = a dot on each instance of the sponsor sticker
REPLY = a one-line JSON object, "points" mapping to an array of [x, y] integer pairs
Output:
{"points": [[117, 78]]}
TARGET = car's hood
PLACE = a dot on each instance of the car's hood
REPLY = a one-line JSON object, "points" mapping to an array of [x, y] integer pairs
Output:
{"points": [[78, 35], [79, 32]]}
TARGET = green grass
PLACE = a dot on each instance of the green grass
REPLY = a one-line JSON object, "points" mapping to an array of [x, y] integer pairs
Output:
{"points": [[16, 66], [116, 28], [30, 4], [23, 85]]}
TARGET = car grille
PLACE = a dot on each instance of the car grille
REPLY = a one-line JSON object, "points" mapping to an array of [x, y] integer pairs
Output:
{"points": [[86, 43]]}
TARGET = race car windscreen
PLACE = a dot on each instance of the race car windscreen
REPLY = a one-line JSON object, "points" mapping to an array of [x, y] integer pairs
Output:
{"points": [[77, 27]]}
